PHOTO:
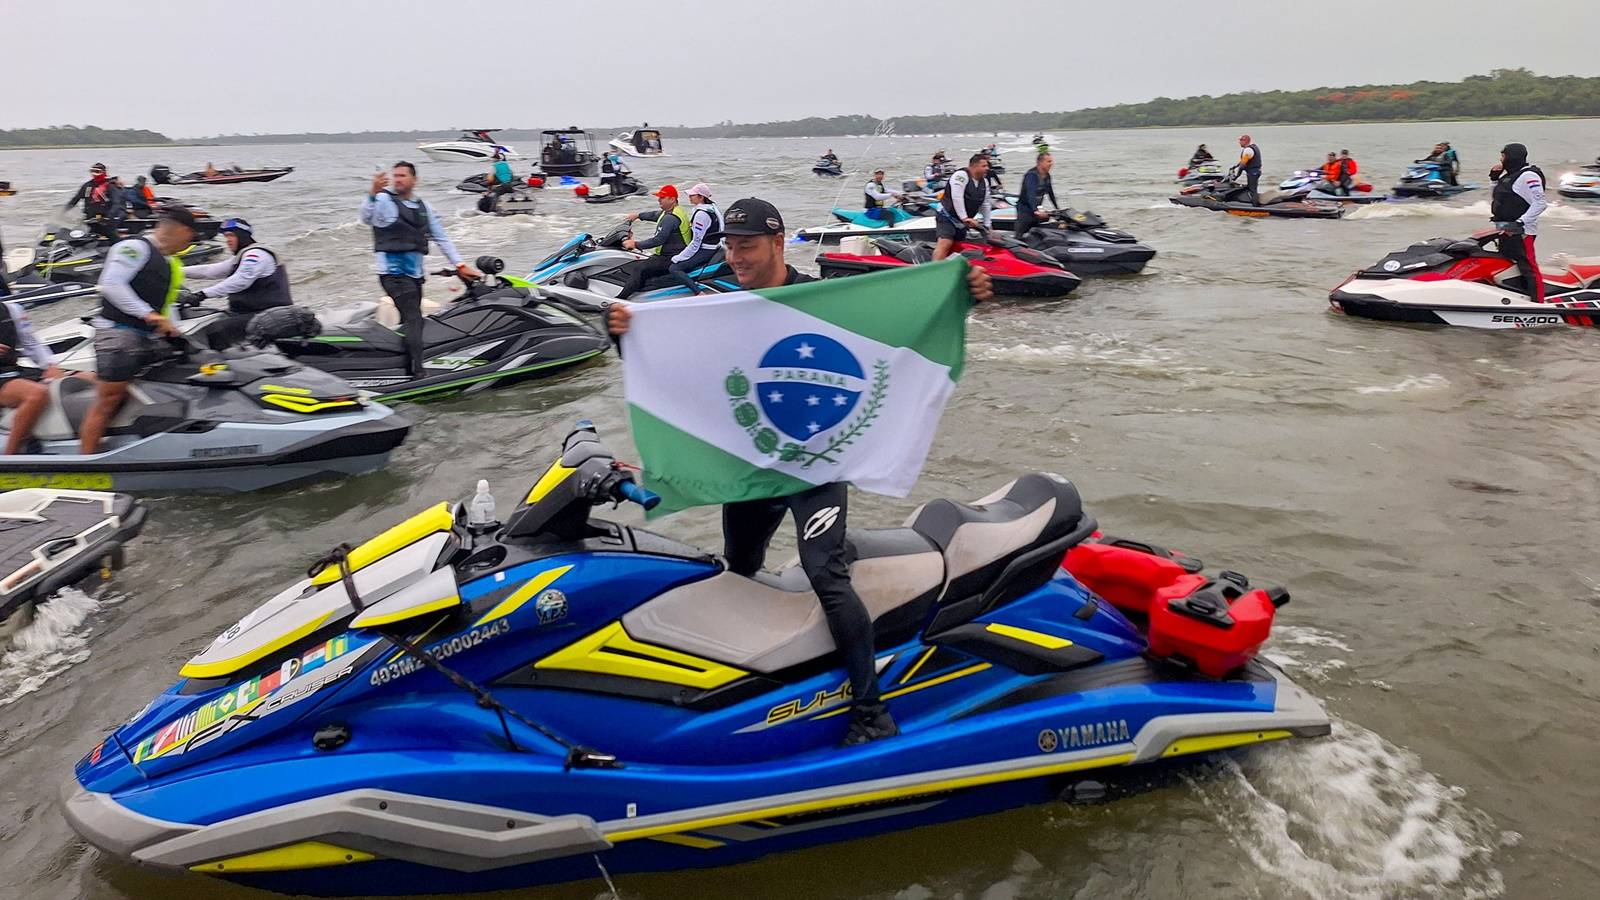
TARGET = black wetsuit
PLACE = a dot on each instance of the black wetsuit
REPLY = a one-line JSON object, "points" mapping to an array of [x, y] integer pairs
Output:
{"points": [[820, 516]]}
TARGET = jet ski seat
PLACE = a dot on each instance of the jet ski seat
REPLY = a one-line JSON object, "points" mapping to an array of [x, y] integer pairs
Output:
{"points": [[907, 251], [948, 551], [1571, 272], [774, 621], [74, 397]]}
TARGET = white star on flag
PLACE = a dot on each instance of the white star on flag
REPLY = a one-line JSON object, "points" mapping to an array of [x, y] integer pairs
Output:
{"points": [[840, 399], [812, 400], [775, 397], [805, 350], [813, 427]]}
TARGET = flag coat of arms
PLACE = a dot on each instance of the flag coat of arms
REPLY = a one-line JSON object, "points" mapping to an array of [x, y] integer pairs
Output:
{"points": [[759, 394]]}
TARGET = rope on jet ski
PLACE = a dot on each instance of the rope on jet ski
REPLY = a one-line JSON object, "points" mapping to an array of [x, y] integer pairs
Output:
{"points": [[578, 757]]}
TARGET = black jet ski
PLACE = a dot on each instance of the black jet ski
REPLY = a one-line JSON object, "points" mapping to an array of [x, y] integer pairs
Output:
{"points": [[625, 188], [504, 330], [204, 421], [74, 253], [1229, 197], [1082, 242], [519, 199], [52, 539], [234, 175], [828, 167], [33, 290]]}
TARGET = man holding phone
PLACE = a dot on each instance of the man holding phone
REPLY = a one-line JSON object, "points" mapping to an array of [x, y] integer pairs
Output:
{"points": [[402, 226]]}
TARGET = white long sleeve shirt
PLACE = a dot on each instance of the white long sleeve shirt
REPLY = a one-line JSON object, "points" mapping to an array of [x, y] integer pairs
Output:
{"points": [[1530, 187], [236, 274], [27, 339]]}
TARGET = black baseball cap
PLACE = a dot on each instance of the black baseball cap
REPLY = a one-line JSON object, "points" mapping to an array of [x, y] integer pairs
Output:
{"points": [[179, 214], [751, 216]]}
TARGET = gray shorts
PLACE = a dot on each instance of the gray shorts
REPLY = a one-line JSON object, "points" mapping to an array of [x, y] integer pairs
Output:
{"points": [[946, 228], [119, 353]]}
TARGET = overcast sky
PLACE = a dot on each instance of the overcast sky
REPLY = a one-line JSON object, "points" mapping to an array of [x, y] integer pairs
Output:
{"points": [[193, 69]]}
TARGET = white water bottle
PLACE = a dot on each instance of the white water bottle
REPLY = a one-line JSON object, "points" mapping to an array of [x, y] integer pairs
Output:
{"points": [[481, 510]]}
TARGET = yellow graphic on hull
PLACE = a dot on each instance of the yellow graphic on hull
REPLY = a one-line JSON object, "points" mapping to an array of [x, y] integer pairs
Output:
{"points": [[76, 481]]}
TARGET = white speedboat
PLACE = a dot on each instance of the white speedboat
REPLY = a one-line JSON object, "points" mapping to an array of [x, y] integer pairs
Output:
{"points": [[474, 145], [640, 142]]}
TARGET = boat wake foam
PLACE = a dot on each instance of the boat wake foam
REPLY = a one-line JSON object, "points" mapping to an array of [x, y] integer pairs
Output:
{"points": [[52, 643]]}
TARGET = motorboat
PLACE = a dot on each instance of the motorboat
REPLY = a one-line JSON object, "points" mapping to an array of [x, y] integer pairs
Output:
{"points": [[568, 151], [639, 142], [473, 145], [235, 175]]}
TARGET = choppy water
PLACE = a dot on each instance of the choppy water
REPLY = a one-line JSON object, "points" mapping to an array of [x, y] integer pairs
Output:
{"points": [[1427, 494]]}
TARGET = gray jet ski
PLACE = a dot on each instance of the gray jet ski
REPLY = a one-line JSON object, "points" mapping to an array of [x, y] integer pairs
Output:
{"points": [[204, 421], [52, 539]]}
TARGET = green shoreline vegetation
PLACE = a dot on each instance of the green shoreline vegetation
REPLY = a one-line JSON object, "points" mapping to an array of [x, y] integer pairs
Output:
{"points": [[1501, 94]]}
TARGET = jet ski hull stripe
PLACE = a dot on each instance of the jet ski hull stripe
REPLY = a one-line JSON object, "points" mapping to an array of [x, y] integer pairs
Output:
{"points": [[998, 772], [304, 855], [523, 594], [612, 651], [224, 667], [508, 373]]}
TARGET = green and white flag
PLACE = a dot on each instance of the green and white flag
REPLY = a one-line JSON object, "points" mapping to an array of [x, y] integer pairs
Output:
{"points": [[765, 393]]}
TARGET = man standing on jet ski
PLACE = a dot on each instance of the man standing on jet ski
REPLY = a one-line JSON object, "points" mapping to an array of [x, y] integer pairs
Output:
{"points": [[1035, 187], [965, 205], [137, 287], [878, 197], [103, 203], [1449, 162], [402, 225], [705, 228], [1201, 155], [253, 280], [753, 234], [1250, 165], [28, 397], [671, 237], [1515, 206], [614, 172]]}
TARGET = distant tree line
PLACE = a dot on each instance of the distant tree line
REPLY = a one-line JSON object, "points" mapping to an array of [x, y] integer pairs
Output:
{"points": [[74, 136], [1501, 93]]}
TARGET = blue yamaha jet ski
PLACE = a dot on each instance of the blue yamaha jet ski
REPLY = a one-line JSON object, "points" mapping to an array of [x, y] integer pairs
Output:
{"points": [[455, 707]]}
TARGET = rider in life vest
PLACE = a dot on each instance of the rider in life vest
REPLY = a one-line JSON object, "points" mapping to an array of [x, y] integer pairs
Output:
{"points": [[103, 205], [1515, 206], [253, 280]]}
